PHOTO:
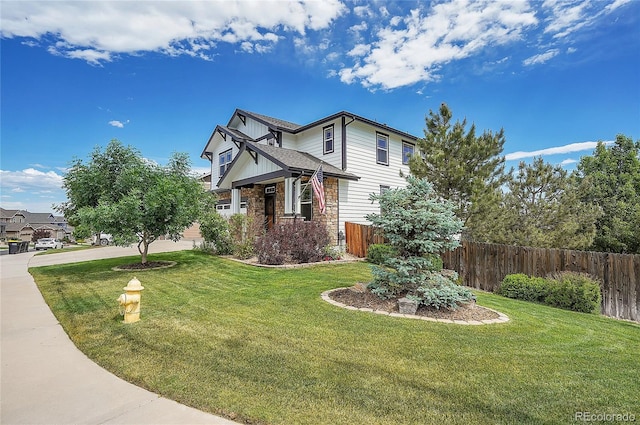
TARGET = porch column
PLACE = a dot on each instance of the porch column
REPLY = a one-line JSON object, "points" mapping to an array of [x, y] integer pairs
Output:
{"points": [[235, 201]]}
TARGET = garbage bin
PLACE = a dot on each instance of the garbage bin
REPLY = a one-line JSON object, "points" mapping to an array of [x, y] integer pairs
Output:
{"points": [[14, 247], [24, 246]]}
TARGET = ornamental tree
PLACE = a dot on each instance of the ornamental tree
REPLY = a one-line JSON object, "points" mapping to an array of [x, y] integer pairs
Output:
{"points": [[419, 225], [117, 191]]}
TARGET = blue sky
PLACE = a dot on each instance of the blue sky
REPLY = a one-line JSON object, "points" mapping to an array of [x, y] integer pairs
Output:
{"points": [[556, 75]]}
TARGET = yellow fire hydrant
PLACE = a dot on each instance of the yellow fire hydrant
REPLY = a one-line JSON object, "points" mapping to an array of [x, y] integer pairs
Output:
{"points": [[130, 301]]}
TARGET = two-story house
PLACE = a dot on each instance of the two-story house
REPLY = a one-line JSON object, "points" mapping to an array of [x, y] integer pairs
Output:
{"points": [[20, 224], [260, 166]]}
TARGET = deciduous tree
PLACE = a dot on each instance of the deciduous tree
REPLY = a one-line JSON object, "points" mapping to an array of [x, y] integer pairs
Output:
{"points": [[117, 191]]}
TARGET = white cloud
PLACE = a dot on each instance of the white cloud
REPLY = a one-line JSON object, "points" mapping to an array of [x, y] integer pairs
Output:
{"points": [[570, 148], [359, 50], [414, 49], [363, 12], [29, 180], [568, 161], [116, 123], [358, 28], [99, 31], [541, 58], [568, 16]]}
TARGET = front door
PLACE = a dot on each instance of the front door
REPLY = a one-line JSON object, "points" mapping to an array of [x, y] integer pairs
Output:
{"points": [[269, 210]]}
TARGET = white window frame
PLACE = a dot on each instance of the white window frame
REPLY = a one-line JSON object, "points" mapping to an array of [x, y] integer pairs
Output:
{"points": [[291, 199], [224, 159], [379, 149], [405, 158], [308, 201], [330, 139]]}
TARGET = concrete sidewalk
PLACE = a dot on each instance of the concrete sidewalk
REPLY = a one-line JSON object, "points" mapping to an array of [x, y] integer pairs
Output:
{"points": [[47, 380]]}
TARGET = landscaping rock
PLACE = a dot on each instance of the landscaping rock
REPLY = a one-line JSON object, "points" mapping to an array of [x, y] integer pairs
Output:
{"points": [[407, 306]]}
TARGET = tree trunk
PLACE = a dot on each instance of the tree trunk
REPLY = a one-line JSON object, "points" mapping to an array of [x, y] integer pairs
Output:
{"points": [[143, 248]]}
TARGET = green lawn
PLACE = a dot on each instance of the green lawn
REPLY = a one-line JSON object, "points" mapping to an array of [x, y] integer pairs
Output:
{"points": [[260, 345]]}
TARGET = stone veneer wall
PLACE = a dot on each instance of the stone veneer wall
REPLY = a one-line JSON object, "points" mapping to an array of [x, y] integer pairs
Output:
{"points": [[255, 205]]}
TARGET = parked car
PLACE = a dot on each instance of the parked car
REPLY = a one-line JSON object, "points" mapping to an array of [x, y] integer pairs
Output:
{"points": [[46, 243], [102, 239]]}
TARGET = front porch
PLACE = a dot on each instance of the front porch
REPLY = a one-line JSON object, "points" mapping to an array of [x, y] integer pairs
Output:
{"points": [[270, 202]]}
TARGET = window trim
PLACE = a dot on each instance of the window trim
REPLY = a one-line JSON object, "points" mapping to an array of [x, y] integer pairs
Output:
{"points": [[405, 161], [386, 150], [226, 163], [308, 202], [325, 139]]}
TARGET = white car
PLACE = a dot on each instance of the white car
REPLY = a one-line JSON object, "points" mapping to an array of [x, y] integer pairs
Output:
{"points": [[102, 239], [46, 243]]}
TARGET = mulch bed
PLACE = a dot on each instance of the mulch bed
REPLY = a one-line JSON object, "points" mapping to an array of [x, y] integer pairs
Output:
{"points": [[362, 298], [150, 265]]}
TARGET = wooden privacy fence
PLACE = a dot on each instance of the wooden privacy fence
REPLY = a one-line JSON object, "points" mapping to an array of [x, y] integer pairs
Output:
{"points": [[358, 238], [484, 266]]}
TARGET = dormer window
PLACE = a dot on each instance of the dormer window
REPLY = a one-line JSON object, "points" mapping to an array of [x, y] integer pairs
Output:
{"points": [[328, 139]]}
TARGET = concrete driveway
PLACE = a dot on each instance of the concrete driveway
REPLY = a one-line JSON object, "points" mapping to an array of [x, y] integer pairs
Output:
{"points": [[45, 379]]}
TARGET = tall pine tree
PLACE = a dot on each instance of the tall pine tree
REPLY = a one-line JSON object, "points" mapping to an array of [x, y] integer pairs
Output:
{"points": [[610, 179], [463, 168], [541, 208]]}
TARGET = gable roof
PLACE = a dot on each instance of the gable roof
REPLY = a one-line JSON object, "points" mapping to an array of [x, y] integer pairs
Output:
{"points": [[296, 128], [292, 162], [276, 123]]}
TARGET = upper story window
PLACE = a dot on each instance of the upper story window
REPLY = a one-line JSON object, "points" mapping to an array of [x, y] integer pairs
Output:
{"points": [[407, 152], [224, 159], [328, 139], [382, 150]]}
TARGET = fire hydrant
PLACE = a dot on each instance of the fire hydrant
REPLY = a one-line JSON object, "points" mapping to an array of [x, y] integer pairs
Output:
{"points": [[130, 301]]}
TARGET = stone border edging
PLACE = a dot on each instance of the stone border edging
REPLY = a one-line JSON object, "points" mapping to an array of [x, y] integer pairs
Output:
{"points": [[502, 318]]}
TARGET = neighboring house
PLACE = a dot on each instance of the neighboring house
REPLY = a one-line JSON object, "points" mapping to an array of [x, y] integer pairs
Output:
{"points": [[260, 164], [20, 224]]}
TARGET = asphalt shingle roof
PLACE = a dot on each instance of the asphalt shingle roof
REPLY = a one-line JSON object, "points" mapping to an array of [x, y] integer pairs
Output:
{"points": [[290, 159], [275, 122]]}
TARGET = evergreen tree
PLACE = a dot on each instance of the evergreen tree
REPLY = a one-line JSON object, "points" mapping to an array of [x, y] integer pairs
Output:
{"points": [[464, 168], [419, 225], [542, 209], [610, 179]]}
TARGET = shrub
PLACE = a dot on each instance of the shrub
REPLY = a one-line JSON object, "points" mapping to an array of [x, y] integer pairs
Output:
{"points": [[567, 290], [574, 291], [441, 292], [378, 253], [214, 228], [296, 241], [332, 253], [522, 287], [243, 230], [39, 234]]}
